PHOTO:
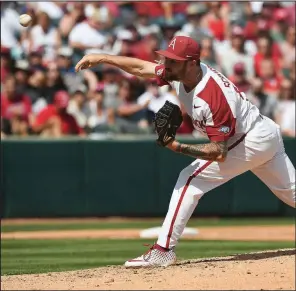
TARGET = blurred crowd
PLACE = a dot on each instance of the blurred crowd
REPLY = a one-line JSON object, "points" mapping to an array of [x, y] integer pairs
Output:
{"points": [[252, 43]]}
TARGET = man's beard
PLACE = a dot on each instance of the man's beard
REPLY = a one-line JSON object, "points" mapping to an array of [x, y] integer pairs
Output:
{"points": [[171, 77]]}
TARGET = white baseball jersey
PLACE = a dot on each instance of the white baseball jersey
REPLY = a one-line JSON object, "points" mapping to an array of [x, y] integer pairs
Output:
{"points": [[255, 144], [217, 109]]}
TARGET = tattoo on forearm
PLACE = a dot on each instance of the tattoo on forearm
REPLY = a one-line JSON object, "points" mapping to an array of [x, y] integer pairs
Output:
{"points": [[209, 151], [178, 148]]}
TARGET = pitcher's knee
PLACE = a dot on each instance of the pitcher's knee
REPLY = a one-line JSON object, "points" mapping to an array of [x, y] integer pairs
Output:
{"points": [[288, 196], [185, 173], [184, 176]]}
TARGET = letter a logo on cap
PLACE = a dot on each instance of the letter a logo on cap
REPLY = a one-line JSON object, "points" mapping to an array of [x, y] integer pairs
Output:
{"points": [[172, 44]]}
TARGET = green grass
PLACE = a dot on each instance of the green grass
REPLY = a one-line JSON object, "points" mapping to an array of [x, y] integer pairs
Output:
{"points": [[140, 224], [41, 256]]}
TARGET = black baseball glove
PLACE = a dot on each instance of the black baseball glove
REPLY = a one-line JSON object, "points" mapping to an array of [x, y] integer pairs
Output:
{"points": [[166, 123]]}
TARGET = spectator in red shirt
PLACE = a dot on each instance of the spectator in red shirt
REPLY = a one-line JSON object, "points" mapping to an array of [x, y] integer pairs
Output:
{"points": [[267, 50], [215, 20], [14, 104], [145, 50], [54, 121], [15, 107], [162, 12], [252, 26], [152, 8]]}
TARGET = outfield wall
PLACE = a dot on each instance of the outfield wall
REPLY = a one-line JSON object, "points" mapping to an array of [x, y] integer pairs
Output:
{"points": [[80, 177]]}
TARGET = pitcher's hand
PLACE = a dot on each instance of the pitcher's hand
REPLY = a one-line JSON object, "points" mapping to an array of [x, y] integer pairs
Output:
{"points": [[89, 61]]}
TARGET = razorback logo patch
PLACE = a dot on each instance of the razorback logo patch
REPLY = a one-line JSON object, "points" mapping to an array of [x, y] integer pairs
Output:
{"points": [[224, 129]]}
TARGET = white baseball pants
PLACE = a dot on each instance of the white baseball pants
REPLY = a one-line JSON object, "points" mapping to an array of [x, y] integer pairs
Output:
{"points": [[261, 151]]}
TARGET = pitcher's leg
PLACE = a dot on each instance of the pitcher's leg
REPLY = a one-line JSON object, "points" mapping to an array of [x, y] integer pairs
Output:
{"points": [[184, 200], [187, 192], [279, 176], [194, 181], [181, 207]]}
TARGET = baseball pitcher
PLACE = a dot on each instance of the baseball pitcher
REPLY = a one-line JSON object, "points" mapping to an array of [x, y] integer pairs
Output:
{"points": [[241, 139]]}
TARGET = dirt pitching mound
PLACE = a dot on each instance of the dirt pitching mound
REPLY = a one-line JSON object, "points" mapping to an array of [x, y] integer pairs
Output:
{"points": [[270, 270]]}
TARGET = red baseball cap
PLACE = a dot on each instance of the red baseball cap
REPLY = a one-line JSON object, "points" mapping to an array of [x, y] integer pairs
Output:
{"points": [[237, 31], [181, 48], [280, 14], [263, 24], [61, 99]]}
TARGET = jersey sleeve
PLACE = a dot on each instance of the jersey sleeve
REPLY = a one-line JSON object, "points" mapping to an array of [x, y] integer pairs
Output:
{"points": [[220, 124], [160, 76], [218, 113]]}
